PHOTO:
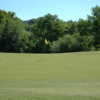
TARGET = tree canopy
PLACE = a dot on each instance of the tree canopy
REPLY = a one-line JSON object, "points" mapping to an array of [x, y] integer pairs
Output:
{"points": [[49, 34]]}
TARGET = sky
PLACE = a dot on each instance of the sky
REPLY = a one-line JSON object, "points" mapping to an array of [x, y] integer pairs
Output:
{"points": [[65, 9]]}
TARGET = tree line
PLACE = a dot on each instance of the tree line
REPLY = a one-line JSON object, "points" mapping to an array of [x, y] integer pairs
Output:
{"points": [[49, 34]]}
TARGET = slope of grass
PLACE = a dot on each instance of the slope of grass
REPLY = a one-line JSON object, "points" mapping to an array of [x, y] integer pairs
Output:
{"points": [[72, 76]]}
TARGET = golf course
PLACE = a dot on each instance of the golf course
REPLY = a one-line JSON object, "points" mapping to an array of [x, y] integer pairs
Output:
{"points": [[65, 76]]}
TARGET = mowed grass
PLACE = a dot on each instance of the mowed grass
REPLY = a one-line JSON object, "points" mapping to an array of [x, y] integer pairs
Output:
{"points": [[69, 76]]}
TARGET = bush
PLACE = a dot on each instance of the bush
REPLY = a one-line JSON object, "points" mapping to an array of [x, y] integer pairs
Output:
{"points": [[67, 43], [87, 43]]}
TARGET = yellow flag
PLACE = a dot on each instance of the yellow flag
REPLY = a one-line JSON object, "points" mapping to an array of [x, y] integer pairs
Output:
{"points": [[46, 42]]}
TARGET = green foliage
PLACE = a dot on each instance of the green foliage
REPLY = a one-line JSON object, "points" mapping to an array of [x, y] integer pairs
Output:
{"points": [[95, 24], [49, 33], [49, 27], [87, 43], [67, 43], [71, 27], [84, 27], [12, 33]]}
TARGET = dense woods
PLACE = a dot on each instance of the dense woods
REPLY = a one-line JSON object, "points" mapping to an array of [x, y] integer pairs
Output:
{"points": [[49, 34]]}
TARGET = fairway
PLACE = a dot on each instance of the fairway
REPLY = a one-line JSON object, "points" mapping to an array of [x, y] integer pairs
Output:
{"points": [[67, 76]]}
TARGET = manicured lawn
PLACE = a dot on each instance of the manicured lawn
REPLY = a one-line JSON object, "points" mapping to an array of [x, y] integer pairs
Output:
{"points": [[69, 76]]}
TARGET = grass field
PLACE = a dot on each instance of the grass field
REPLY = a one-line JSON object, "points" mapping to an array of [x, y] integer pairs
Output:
{"points": [[72, 76]]}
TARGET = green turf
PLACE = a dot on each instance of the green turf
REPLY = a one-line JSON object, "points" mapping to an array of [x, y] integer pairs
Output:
{"points": [[72, 76]]}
